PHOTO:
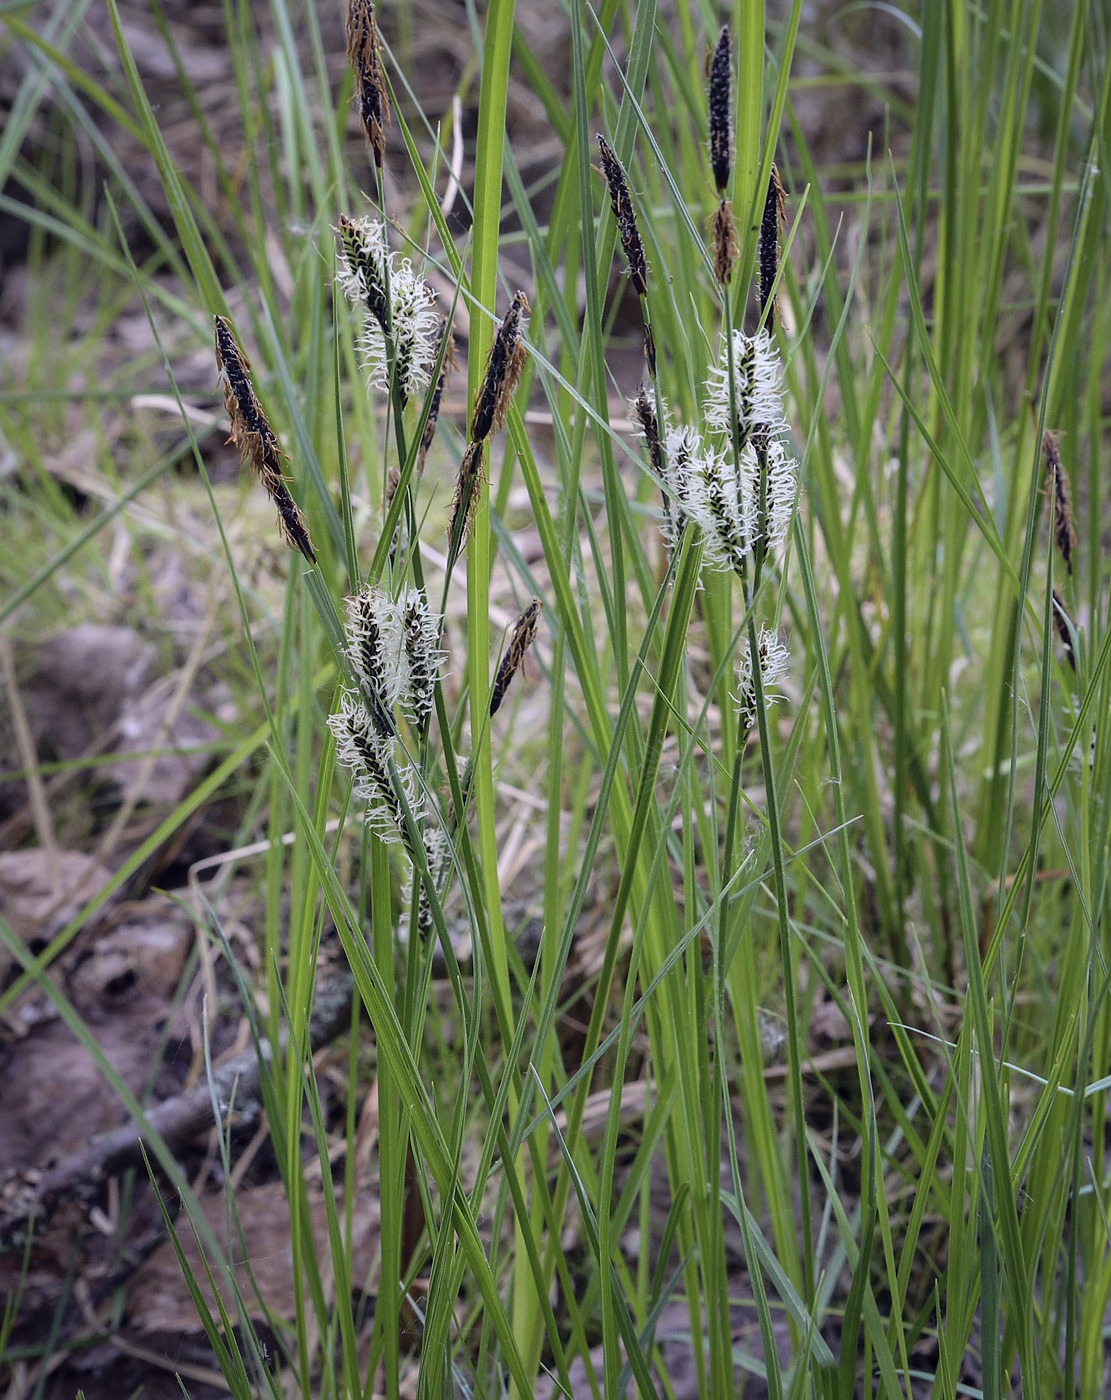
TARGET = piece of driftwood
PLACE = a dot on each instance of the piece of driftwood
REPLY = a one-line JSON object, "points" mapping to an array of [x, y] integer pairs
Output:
{"points": [[32, 1195]]}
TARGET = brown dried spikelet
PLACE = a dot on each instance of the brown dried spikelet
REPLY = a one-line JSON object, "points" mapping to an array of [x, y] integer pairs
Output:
{"points": [[725, 242], [613, 172], [504, 364], [364, 53], [721, 112], [644, 414], [447, 340], [524, 634], [768, 250], [468, 487], [1065, 627], [256, 440], [1060, 499]]}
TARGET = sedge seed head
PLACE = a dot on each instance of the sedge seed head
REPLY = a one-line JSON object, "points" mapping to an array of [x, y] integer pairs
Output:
{"points": [[1060, 500], [367, 753], [420, 632], [772, 658], [468, 490], [400, 324], [768, 249], [721, 112], [747, 393], [523, 636], [508, 353], [719, 496], [364, 53], [617, 182], [725, 242], [256, 440]]}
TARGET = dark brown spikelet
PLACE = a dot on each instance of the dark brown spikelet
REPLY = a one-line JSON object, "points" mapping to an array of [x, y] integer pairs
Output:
{"points": [[524, 634], [644, 415], [768, 251], [721, 112], [364, 53], [258, 444], [1060, 500], [468, 486], [1064, 625], [506, 360], [447, 340], [613, 172], [725, 242]]}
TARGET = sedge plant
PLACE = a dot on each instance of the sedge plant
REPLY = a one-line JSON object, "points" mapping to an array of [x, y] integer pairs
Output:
{"points": [[784, 656]]}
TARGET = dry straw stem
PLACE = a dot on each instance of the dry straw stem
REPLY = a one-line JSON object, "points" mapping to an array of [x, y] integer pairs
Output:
{"points": [[503, 371], [721, 113], [365, 56], [468, 485], [524, 634], [1065, 626], [774, 207], [257, 442], [613, 172], [1064, 527]]}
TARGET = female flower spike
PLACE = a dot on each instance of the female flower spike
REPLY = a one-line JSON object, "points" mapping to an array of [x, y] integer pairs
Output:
{"points": [[366, 751], [757, 389], [420, 632], [394, 649], [400, 308], [719, 495], [773, 658]]}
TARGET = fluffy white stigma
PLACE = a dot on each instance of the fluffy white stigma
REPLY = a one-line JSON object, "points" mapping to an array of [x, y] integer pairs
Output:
{"points": [[682, 449], [782, 493], [374, 646], [719, 497], [420, 635], [773, 658], [414, 327], [361, 262], [363, 749], [757, 396], [390, 295], [394, 648]]}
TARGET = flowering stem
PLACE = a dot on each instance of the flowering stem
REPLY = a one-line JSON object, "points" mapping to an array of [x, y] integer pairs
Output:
{"points": [[787, 955]]}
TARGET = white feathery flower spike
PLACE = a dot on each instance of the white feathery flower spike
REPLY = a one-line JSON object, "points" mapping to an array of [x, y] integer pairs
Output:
{"points": [[374, 649], [394, 649], [719, 496], [366, 751], [396, 302], [773, 658], [757, 397], [420, 635], [681, 453], [782, 493]]}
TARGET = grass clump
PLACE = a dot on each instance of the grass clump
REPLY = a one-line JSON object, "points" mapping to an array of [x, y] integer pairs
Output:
{"points": [[813, 731]]}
